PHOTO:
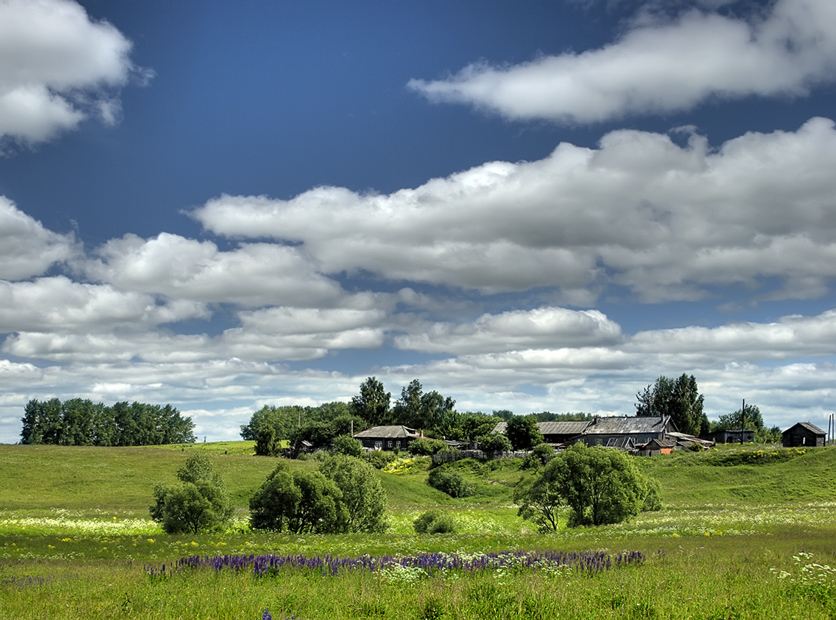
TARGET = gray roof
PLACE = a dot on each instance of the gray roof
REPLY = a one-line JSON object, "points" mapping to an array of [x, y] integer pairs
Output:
{"points": [[386, 432], [809, 426], [626, 425], [567, 427], [570, 427]]}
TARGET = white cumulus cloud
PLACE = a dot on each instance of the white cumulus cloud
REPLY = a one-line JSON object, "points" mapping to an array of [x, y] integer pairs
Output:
{"points": [[660, 65], [57, 66]]}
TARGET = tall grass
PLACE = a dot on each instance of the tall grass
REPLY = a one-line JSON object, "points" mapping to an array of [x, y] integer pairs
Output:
{"points": [[76, 541]]}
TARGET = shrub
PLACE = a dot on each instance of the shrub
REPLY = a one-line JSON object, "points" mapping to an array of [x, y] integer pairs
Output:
{"points": [[362, 494], [299, 502], [653, 500], [198, 503], [434, 522], [450, 482], [539, 456], [494, 442], [523, 432], [426, 447], [346, 444], [380, 459]]}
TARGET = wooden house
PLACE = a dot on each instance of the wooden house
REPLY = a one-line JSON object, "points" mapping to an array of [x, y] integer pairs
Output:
{"points": [[387, 437], [641, 430], [803, 434]]}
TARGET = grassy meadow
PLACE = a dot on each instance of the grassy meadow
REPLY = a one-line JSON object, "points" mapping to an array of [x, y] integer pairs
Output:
{"points": [[745, 533]]}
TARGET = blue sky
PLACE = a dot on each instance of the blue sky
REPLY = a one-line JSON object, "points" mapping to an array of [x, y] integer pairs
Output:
{"points": [[530, 207]]}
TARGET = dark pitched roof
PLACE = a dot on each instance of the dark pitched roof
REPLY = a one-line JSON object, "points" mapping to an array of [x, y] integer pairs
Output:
{"points": [[809, 426], [386, 432]]}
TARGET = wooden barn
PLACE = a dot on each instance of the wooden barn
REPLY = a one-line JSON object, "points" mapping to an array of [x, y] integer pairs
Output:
{"points": [[804, 434], [731, 436]]}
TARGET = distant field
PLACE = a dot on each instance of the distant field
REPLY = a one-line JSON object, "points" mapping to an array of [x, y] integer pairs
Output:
{"points": [[744, 534]]}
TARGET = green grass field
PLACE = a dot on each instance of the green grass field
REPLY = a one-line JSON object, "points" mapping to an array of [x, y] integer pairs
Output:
{"points": [[744, 534]]}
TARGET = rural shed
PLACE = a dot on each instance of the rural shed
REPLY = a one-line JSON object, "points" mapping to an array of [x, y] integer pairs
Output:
{"points": [[803, 434], [731, 436], [387, 437]]}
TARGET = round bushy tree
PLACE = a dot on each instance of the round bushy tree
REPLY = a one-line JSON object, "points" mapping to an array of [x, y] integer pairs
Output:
{"points": [[199, 503], [599, 485], [362, 494], [434, 522], [299, 502], [450, 482], [493, 443], [523, 432], [346, 444], [426, 447]]}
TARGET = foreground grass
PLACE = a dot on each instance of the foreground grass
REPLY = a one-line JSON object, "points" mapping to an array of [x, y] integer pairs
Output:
{"points": [[742, 536], [754, 576]]}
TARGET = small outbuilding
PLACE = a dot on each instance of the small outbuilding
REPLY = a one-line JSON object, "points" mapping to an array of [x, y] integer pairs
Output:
{"points": [[803, 434], [736, 435]]}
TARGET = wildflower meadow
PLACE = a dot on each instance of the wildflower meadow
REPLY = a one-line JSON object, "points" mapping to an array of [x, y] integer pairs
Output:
{"points": [[693, 559]]}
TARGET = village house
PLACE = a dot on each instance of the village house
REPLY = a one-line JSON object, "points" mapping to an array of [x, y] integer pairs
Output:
{"points": [[803, 434], [387, 437]]}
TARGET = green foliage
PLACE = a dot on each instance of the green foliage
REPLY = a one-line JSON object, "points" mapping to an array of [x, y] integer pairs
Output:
{"points": [[450, 482], [423, 411], [298, 501], [199, 503], [541, 454], [540, 499], [381, 458], [282, 420], [372, 404], [362, 493], [434, 522], [78, 422], [346, 444], [345, 495], [600, 486], [678, 398], [494, 442], [426, 447], [523, 432], [653, 499]]}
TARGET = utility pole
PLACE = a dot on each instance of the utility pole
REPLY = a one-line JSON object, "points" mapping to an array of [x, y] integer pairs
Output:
{"points": [[742, 419]]}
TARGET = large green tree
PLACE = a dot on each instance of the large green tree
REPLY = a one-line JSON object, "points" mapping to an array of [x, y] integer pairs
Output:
{"points": [[299, 502], [199, 503], [523, 433], [373, 403], [678, 398], [362, 494], [599, 485]]}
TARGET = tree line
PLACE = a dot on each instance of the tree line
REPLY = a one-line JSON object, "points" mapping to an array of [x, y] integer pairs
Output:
{"points": [[81, 422]]}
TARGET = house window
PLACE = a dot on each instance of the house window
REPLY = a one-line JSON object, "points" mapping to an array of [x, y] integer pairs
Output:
{"points": [[378, 445], [390, 443]]}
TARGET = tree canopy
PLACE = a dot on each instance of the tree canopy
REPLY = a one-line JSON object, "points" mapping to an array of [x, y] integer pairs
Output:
{"points": [[523, 433], [80, 422], [199, 503], [678, 398], [599, 485], [345, 495]]}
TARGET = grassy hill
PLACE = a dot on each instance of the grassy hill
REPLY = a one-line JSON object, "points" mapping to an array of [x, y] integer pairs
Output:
{"points": [[120, 480]]}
